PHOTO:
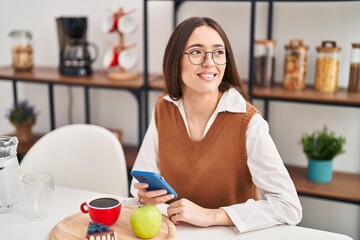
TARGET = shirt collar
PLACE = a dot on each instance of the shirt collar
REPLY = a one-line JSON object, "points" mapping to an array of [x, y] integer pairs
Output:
{"points": [[231, 101]]}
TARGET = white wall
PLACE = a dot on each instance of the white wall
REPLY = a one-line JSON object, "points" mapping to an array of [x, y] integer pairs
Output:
{"points": [[312, 22], [39, 16]]}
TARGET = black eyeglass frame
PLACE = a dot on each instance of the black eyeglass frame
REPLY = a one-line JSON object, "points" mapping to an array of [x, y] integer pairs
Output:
{"points": [[212, 57]]}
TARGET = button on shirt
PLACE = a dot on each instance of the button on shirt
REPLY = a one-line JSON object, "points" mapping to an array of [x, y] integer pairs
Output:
{"points": [[280, 203]]}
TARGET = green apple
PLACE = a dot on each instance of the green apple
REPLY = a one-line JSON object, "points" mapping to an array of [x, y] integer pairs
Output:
{"points": [[146, 221]]}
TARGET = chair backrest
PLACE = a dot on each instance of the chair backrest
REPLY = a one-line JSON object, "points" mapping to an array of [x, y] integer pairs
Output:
{"points": [[81, 156]]}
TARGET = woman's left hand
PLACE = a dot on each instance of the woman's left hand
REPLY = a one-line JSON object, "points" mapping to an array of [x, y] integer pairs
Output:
{"points": [[184, 210]]}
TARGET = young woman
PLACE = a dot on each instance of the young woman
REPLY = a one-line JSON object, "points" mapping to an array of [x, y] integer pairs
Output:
{"points": [[210, 144]]}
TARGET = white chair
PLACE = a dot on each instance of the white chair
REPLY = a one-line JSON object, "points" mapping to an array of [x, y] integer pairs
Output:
{"points": [[81, 156]]}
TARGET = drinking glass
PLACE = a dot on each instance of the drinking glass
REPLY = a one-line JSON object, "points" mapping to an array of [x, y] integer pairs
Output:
{"points": [[37, 194]]}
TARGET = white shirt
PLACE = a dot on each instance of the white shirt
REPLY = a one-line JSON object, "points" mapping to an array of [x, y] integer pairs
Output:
{"points": [[280, 202]]}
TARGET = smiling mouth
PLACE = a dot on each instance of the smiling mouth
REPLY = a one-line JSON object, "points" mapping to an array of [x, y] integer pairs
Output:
{"points": [[207, 75]]}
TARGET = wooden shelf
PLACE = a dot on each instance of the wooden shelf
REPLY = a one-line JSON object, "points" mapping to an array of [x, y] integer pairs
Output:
{"points": [[98, 79], [342, 97], [344, 187], [52, 75], [309, 95], [157, 82]]}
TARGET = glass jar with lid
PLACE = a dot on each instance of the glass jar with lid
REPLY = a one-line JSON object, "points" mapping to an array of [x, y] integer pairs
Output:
{"points": [[264, 63], [295, 65], [22, 51], [327, 67], [354, 77]]}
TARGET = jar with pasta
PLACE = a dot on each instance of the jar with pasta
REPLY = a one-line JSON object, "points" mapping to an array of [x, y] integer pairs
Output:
{"points": [[327, 67], [22, 51], [354, 77], [295, 65], [264, 63]]}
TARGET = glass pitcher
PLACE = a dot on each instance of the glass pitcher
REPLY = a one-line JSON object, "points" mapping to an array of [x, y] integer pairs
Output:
{"points": [[9, 174]]}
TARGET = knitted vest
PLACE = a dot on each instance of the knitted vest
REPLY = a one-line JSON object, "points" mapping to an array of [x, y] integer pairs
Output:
{"points": [[213, 172]]}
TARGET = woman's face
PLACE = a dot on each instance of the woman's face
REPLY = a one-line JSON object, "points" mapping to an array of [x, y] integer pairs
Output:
{"points": [[207, 76]]}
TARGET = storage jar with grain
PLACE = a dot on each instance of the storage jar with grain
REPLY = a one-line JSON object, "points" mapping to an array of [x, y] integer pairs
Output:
{"points": [[327, 67], [295, 65], [354, 77], [22, 51], [264, 63]]}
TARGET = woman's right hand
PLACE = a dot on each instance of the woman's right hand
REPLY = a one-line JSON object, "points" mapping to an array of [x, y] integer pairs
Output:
{"points": [[151, 197]]}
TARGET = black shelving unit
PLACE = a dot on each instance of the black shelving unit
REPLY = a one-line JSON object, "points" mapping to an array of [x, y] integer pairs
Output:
{"points": [[350, 100]]}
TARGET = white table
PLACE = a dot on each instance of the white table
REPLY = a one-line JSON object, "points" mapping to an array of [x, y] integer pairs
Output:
{"points": [[14, 225]]}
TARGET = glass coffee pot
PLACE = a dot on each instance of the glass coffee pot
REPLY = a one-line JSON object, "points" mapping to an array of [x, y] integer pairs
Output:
{"points": [[75, 50], [9, 174]]}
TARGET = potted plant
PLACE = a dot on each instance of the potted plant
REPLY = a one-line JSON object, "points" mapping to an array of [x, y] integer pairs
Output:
{"points": [[320, 148], [23, 117]]}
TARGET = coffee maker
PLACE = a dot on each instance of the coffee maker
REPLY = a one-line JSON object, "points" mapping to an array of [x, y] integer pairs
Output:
{"points": [[75, 57]]}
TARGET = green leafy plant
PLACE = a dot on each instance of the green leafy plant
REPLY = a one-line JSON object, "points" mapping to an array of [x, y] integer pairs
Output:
{"points": [[21, 113], [322, 145]]}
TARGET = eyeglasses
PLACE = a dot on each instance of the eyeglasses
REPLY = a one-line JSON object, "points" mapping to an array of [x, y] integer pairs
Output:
{"points": [[197, 56]]}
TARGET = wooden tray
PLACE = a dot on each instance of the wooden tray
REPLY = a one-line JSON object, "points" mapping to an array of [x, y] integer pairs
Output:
{"points": [[75, 226]]}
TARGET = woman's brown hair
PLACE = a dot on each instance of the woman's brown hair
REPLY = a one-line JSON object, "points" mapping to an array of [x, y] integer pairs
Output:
{"points": [[174, 51]]}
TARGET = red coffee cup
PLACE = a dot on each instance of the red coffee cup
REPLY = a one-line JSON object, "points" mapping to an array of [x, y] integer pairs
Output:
{"points": [[102, 209]]}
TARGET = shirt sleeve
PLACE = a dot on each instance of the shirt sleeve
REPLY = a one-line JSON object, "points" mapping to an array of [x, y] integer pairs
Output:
{"points": [[280, 203], [147, 158]]}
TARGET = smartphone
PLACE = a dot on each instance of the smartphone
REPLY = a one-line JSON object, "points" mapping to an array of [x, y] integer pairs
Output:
{"points": [[154, 180]]}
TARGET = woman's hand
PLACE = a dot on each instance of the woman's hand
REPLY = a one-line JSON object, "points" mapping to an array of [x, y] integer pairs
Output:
{"points": [[151, 197], [184, 210]]}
